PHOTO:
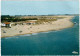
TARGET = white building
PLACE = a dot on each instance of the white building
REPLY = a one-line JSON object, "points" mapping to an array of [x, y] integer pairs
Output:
{"points": [[3, 25]]}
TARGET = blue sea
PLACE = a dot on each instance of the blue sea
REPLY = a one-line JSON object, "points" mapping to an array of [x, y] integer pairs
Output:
{"points": [[62, 42]]}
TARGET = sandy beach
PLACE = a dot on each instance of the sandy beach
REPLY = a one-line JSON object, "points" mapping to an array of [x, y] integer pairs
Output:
{"points": [[28, 29]]}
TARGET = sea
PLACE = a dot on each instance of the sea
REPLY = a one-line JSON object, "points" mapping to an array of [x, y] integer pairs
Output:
{"points": [[61, 42]]}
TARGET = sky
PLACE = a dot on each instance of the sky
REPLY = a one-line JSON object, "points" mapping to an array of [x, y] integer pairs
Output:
{"points": [[39, 7]]}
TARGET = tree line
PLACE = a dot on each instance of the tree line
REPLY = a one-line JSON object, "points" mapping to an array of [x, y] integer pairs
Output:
{"points": [[7, 18]]}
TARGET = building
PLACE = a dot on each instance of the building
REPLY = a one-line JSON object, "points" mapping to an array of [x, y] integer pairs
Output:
{"points": [[6, 24], [3, 25]]}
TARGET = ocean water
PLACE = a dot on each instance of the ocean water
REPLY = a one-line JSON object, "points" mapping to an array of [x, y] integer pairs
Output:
{"points": [[62, 42]]}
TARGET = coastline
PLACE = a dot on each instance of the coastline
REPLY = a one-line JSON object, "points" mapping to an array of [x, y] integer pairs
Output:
{"points": [[56, 25]]}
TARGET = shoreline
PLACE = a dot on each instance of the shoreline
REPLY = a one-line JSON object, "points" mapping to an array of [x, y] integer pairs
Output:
{"points": [[35, 32], [57, 25]]}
